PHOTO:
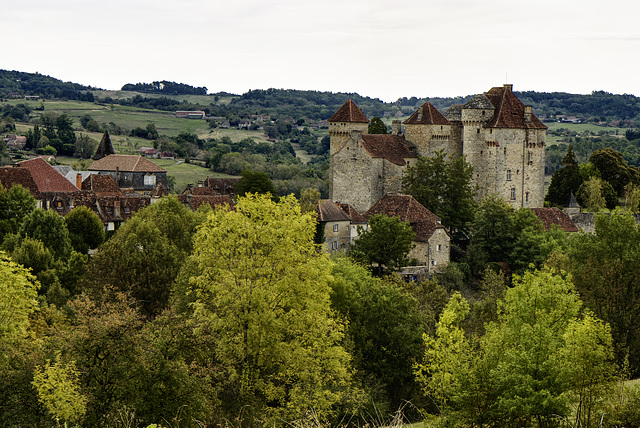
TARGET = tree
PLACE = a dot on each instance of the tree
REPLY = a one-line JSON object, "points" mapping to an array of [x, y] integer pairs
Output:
{"points": [[614, 169], [589, 195], [377, 126], [385, 245], [18, 293], [564, 181], [255, 182], [384, 348], [15, 205], [85, 229], [309, 198], [605, 267], [149, 250], [444, 186], [85, 147], [59, 392], [50, 228], [263, 295]]}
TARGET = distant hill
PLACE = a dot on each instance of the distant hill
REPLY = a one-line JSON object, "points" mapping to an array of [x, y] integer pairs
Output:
{"points": [[17, 83], [599, 106], [166, 88]]}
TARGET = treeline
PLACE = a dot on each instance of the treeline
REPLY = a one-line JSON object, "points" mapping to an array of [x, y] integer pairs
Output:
{"points": [[35, 84], [165, 87]]}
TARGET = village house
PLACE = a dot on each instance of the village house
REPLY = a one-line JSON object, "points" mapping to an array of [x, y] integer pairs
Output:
{"points": [[335, 226], [432, 243], [131, 171]]}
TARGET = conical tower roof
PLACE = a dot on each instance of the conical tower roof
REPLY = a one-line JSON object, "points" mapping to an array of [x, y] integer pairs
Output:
{"points": [[349, 112], [105, 148]]}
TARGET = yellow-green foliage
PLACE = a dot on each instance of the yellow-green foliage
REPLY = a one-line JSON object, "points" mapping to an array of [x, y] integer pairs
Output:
{"points": [[18, 293], [59, 390], [263, 292]]}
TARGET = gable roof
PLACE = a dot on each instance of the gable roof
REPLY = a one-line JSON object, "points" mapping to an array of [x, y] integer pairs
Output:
{"points": [[551, 216], [329, 211], [427, 114], [105, 148], [405, 207], [128, 163], [509, 110], [101, 184], [393, 148], [10, 176], [353, 214], [349, 112], [46, 177]]}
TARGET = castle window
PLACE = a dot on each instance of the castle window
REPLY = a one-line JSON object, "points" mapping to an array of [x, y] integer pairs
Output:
{"points": [[490, 131], [335, 227], [505, 150], [478, 131], [526, 196], [508, 175], [483, 112], [480, 151], [439, 247], [441, 127], [513, 193]]}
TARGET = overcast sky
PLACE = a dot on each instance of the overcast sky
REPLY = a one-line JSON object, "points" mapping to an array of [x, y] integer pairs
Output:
{"points": [[378, 48]]}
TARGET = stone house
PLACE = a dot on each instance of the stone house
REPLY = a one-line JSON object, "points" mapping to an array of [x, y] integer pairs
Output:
{"points": [[131, 171], [432, 243], [498, 135], [335, 225]]}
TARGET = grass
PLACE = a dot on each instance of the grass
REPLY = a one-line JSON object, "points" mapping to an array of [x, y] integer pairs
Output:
{"points": [[580, 128], [185, 173]]}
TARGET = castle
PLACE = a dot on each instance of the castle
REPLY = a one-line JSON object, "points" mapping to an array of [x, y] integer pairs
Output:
{"points": [[499, 136]]}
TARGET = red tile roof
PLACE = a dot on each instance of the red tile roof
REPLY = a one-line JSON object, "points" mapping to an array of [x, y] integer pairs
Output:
{"points": [[159, 190], [355, 216], [46, 177], [551, 216], [102, 184], [10, 176], [404, 207], [427, 114], [349, 112], [393, 148], [222, 186], [129, 163], [509, 110]]}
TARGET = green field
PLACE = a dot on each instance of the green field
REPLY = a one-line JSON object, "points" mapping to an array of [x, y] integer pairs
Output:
{"points": [[580, 128]]}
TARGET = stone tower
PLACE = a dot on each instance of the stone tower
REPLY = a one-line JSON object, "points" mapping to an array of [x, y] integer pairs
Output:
{"points": [[429, 131], [348, 120]]}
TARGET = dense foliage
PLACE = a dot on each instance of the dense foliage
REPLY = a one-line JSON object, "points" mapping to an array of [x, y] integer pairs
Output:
{"points": [[165, 87]]}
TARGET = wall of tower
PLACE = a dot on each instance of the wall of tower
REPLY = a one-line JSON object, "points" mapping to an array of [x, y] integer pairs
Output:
{"points": [[340, 133], [475, 149], [430, 138], [357, 177]]}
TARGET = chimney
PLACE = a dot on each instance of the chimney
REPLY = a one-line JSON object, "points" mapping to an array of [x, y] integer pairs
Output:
{"points": [[508, 86], [396, 127], [79, 181], [118, 176], [527, 114]]}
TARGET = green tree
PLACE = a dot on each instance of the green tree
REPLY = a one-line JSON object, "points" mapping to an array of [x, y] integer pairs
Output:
{"points": [[18, 293], [15, 205], [309, 198], [263, 294], [149, 250], [444, 186], [589, 195], [85, 147], [85, 229], [605, 267], [564, 181], [377, 126], [50, 228], [614, 169], [385, 245], [255, 182], [384, 348], [59, 392]]}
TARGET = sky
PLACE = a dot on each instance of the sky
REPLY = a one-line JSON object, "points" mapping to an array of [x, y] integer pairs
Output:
{"points": [[378, 48]]}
